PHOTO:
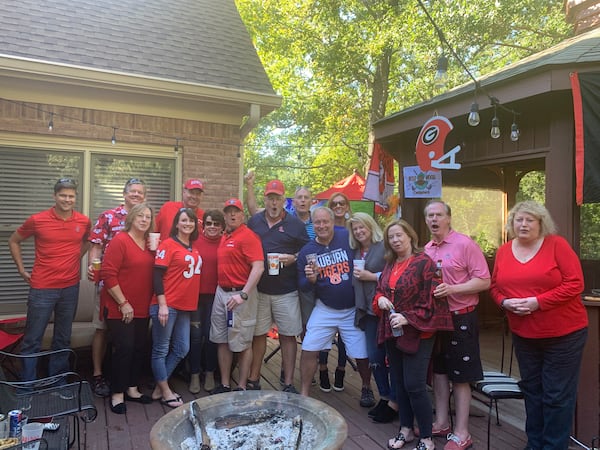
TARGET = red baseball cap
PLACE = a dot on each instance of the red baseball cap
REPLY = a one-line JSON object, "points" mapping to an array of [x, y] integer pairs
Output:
{"points": [[233, 202], [194, 183], [275, 187]]}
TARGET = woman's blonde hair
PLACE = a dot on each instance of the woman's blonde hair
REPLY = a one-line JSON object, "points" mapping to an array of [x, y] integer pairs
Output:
{"points": [[134, 212], [547, 225], [368, 222]]}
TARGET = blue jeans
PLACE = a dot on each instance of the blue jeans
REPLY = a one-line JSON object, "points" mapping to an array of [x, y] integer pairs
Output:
{"points": [[170, 343], [376, 353], [549, 377], [40, 306], [411, 372], [203, 352]]}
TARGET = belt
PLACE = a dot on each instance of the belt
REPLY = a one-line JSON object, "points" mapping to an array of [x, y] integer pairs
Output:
{"points": [[231, 289], [466, 310]]}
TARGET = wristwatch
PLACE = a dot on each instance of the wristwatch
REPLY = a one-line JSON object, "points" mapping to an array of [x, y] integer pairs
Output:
{"points": [[244, 295]]}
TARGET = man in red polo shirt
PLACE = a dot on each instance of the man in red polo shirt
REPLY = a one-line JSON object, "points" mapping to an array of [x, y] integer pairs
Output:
{"points": [[191, 198], [240, 266], [60, 235]]}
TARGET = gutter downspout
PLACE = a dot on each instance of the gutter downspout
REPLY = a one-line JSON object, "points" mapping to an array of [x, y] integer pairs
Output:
{"points": [[247, 126]]}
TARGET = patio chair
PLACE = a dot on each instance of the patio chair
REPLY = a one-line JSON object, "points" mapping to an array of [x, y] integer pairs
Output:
{"points": [[498, 385], [64, 394]]}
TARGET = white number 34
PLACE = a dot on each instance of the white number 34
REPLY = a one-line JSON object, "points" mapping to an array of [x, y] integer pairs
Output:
{"points": [[194, 268]]}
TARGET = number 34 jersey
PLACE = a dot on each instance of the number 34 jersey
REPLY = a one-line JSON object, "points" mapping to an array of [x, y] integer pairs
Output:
{"points": [[181, 279]]}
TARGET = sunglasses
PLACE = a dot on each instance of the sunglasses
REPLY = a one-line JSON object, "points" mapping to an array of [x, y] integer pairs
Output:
{"points": [[208, 223], [66, 181], [338, 203], [134, 181]]}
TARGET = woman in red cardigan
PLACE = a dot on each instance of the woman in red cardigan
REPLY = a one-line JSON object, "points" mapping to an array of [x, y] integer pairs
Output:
{"points": [[406, 285], [124, 302], [537, 280]]}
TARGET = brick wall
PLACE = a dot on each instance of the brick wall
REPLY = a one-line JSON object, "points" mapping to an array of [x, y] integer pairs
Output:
{"points": [[209, 150]]}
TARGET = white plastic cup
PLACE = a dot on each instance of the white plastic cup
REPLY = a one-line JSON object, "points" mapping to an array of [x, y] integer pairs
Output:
{"points": [[30, 432], [359, 264], [273, 260], [153, 241]]}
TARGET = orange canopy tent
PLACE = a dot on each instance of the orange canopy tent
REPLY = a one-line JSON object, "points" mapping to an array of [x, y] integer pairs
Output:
{"points": [[352, 186]]}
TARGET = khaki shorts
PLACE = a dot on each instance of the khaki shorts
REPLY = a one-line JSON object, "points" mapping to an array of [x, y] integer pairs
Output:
{"points": [[98, 324], [240, 335], [283, 309]]}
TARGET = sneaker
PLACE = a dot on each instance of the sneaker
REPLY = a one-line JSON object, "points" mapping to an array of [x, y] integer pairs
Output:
{"points": [[282, 378], [385, 415], [220, 389], [338, 383], [253, 385], [374, 411], [100, 386], [454, 443], [325, 386], [367, 399], [290, 389]]}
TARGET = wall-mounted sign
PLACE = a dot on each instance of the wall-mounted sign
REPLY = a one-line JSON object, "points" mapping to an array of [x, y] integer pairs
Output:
{"points": [[430, 146], [422, 183]]}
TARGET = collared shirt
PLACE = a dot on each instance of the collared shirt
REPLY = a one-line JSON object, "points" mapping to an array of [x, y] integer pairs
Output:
{"points": [[109, 223], [287, 236], [58, 244], [462, 260]]}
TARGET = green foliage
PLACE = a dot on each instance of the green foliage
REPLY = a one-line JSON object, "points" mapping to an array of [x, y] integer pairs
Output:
{"points": [[342, 65]]}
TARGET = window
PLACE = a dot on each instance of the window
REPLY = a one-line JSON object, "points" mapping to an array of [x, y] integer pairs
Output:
{"points": [[26, 187]]}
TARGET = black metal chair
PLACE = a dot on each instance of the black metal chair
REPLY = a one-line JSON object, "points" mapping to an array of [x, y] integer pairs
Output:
{"points": [[64, 394], [498, 385]]}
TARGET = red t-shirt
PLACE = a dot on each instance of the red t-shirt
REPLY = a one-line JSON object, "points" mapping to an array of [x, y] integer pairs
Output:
{"points": [[164, 219], [58, 244], [208, 251], [127, 265], [236, 253], [181, 280]]}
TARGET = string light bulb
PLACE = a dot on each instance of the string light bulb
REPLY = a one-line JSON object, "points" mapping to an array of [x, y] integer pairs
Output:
{"points": [[514, 132], [176, 145], [114, 136], [441, 74], [495, 131], [474, 118], [51, 122]]}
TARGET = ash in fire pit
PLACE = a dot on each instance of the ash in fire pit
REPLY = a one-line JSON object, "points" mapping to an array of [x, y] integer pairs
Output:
{"points": [[253, 420]]}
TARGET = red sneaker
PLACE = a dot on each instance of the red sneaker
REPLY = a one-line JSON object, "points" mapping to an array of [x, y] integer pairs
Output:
{"points": [[454, 443]]}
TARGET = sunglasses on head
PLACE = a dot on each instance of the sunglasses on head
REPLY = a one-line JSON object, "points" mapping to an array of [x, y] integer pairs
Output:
{"points": [[66, 181], [134, 181]]}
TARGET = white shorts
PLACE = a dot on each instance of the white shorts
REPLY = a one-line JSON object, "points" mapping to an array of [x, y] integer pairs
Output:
{"points": [[283, 310], [324, 322]]}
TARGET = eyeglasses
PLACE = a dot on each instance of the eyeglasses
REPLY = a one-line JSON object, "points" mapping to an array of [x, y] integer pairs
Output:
{"points": [[208, 223], [338, 203]]}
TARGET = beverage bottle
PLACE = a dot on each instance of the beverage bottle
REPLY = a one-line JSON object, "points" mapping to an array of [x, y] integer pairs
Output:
{"points": [[398, 331], [438, 277]]}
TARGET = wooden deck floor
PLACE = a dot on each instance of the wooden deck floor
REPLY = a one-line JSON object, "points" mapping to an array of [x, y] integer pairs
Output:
{"points": [[131, 431]]}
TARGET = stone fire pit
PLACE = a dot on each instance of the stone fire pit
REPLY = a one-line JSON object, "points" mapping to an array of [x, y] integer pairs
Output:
{"points": [[323, 427]]}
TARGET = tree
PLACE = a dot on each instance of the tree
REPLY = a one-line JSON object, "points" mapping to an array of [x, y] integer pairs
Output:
{"points": [[342, 65]]}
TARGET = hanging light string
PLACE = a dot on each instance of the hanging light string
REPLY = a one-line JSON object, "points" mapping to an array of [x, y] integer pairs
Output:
{"points": [[473, 119], [178, 140]]}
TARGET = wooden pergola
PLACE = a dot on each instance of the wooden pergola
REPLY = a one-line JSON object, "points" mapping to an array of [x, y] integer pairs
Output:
{"points": [[539, 88]]}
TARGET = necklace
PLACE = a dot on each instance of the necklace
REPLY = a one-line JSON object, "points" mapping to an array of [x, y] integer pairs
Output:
{"points": [[400, 266]]}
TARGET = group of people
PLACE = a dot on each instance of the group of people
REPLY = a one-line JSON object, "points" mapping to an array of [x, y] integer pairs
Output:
{"points": [[211, 290]]}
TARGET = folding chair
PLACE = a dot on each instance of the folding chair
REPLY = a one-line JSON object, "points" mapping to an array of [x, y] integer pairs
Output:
{"points": [[10, 338]]}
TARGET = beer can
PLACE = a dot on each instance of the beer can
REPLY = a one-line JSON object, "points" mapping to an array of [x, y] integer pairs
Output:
{"points": [[3, 426], [14, 423], [229, 318]]}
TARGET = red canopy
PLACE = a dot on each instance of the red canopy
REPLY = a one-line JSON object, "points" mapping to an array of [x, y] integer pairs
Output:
{"points": [[352, 186]]}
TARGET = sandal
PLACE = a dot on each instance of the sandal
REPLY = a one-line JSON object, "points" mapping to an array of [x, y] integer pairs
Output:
{"points": [[423, 446], [399, 439], [171, 403]]}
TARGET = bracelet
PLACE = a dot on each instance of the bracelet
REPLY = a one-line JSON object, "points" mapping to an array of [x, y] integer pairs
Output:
{"points": [[123, 304], [502, 303]]}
